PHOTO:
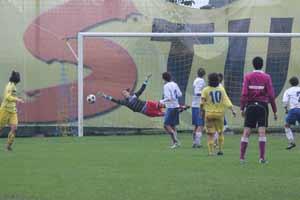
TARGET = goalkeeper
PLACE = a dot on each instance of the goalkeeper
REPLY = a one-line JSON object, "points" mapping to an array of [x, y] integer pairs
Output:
{"points": [[132, 101]]}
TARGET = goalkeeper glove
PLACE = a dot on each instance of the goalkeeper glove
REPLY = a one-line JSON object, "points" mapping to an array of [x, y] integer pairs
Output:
{"points": [[106, 96], [147, 79]]}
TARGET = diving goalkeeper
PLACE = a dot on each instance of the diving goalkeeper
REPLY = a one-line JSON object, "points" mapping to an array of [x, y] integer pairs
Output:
{"points": [[132, 101]]}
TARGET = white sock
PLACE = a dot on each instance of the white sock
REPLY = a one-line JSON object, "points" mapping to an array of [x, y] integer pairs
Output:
{"points": [[175, 135], [244, 139], [289, 134], [262, 139], [198, 136]]}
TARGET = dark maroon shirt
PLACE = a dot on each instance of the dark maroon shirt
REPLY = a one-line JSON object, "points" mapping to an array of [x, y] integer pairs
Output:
{"points": [[257, 86]]}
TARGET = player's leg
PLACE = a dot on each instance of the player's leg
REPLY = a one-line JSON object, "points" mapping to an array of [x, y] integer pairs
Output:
{"points": [[210, 127], [3, 120], [290, 119], [198, 135], [249, 122], [262, 139], [225, 124], [176, 135], [220, 128], [216, 138], [170, 131], [170, 120], [198, 122], [210, 144], [244, 143], [262, 117], [13, 121]]}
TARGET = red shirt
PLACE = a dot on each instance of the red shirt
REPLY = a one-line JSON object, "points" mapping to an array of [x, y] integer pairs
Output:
{"points": [[257, 86]]}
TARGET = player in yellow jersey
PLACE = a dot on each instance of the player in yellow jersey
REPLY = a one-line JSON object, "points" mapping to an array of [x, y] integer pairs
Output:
{"points": [[214, 102], [8, 110]]}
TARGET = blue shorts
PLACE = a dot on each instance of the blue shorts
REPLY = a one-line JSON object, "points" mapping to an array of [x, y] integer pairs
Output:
{"points": [[197, 119], [293, 116], [171, 117]]}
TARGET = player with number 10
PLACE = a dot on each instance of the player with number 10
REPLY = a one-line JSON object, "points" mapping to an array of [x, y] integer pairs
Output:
{"points": [[214, 100]]}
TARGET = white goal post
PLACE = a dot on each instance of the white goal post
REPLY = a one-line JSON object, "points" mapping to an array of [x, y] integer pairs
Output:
{"points": [[82, 35]]}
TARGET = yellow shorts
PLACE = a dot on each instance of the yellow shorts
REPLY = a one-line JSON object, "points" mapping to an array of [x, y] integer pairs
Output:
{"points": [[214, 123], [8, 118]]}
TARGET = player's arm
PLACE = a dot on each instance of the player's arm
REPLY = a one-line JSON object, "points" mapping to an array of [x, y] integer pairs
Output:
{"points": [[178, 92], [228, 103], [270, 91], [285, 101], [204, 97], [10, 97], [110, 98], [202, 110], [143, 87], [244, 95]]}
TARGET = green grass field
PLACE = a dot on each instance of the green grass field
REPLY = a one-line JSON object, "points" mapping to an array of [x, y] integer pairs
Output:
{"points": [[144, 168]]}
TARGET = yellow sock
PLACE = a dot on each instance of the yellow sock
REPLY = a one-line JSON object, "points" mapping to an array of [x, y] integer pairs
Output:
{"points": [[210, 145], [221, 142], [10, 138]]}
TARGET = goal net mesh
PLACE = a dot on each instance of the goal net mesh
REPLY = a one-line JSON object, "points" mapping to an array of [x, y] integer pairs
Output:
{"points": [[124, 62]]}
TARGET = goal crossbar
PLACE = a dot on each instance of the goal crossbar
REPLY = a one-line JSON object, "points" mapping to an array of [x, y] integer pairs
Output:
{"points": [[206, 34], [81, 36]]}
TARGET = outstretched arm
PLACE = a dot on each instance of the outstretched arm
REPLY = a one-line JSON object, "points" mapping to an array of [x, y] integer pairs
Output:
{"points": [[142, 89], [110, 98]]}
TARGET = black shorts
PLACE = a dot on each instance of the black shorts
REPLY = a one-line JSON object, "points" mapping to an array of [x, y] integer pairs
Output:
{"points": [[256, 115]]}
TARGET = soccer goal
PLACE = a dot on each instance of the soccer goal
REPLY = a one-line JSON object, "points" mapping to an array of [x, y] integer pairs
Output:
{"points": [[117, 61]]}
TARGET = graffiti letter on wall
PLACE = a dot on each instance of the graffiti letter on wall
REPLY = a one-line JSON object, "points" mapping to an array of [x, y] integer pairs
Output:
{"points": [[181, 53], [279, 50], [235, 60]]}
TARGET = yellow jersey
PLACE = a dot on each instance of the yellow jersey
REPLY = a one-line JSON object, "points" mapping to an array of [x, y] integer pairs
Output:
{"points": [[215, 100], [10, 98]]}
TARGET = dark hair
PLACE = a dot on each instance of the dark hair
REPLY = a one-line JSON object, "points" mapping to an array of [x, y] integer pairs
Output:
{"points": [[220, 77], [166, 76], [258, 63], [294, 81], [201, 72], [15, 77], [213, 80]]}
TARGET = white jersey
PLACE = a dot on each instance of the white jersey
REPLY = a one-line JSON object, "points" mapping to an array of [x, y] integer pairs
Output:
{"points": [[291, 97], [198, 85], [171, 95]]}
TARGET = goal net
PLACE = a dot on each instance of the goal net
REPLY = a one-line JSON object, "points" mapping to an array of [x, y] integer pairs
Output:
{"points": [[117, 61]]}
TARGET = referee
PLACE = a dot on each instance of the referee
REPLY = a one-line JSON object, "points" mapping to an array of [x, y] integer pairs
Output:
{"points": [[257, 92]]}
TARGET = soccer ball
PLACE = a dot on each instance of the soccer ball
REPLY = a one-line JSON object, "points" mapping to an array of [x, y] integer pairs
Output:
{"points": [[91, 98]]}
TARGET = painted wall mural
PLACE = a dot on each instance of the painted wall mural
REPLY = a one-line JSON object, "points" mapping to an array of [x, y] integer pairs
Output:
{"points": [[44, 31]]}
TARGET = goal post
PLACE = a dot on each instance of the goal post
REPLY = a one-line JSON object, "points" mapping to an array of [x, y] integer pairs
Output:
{"points": [[82, 35]]}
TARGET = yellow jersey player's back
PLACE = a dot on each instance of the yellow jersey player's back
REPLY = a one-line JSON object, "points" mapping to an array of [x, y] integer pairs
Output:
{"points": [[215, 101], [8, 111]]}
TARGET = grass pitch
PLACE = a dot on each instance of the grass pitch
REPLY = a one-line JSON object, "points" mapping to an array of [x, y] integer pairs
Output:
{"points": [[144, 168]]}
